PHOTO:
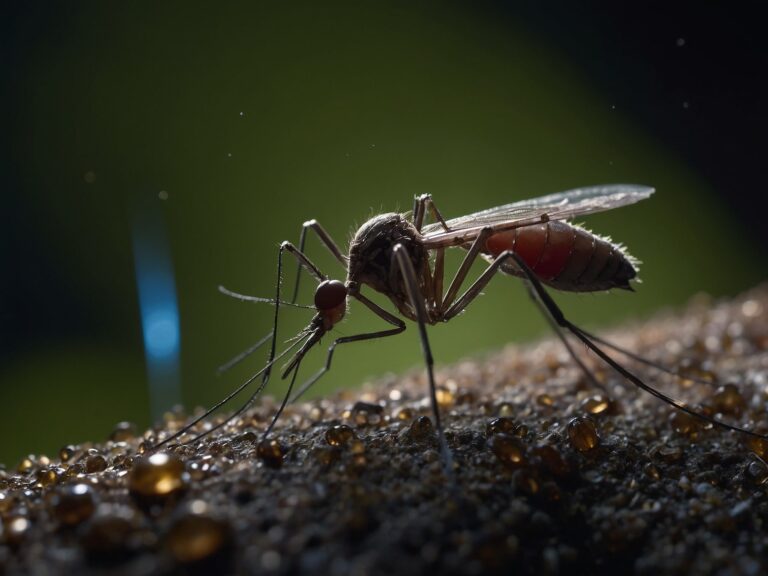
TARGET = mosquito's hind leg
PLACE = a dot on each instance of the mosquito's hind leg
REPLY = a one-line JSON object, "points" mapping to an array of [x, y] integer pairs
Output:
{"points": [[647, 362], [559, 332], [557, 315]]}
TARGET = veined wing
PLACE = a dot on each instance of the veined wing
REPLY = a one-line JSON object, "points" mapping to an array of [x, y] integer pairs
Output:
{"points": [[559, 206]]}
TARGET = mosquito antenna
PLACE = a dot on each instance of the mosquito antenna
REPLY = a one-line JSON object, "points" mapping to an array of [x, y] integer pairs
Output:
{"points": [[259, 299], [645, 361], [243, 355], [584, 337], [229, 397]]}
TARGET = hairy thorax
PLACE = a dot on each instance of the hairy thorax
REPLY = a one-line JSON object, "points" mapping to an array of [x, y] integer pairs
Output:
{"points": [[370, 256]]}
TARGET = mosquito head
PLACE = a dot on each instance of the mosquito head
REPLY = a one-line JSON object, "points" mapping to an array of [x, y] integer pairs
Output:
{"points": [[331, 302]]}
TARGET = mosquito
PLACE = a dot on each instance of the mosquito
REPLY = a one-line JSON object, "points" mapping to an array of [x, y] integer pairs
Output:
{"points": [[402, 256]]}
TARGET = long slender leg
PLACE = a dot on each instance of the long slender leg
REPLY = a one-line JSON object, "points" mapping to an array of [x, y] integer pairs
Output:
{"points": [[557, 330], [403, 261], [638, 358], [394, 320], [327, 241], [312, 269], [466, 264], [559, 317], [420, 206]]}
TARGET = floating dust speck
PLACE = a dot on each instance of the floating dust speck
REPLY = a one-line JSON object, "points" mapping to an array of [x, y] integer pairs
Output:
{"points": [[271, 452], [157, 482], [74, 504], [583, 434], [509, 450], [339, 435]]}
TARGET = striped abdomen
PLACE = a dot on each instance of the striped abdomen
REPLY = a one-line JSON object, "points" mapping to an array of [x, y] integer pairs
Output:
{"points": [[565, 257]]}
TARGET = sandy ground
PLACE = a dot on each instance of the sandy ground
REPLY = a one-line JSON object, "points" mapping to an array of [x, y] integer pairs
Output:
{"points": [[549, 475]]}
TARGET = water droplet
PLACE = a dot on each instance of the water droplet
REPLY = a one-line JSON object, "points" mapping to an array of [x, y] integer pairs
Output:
{"points": [[271, 453], [445, 397], [157, 482], [421, 429], [95, 463], [684, 424], [123, 432], [198, 537], [339, 435], [727, 399], [501, 425], [545, 399], [583, 434], [364, 414], [509, 450], [597, 404], [74, 504], [67, 452], [16, 529], [109, 538]]}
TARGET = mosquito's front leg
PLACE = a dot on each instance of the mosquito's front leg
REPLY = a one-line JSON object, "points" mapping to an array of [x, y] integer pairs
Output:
{"points": [[310, 267], [327, 241], [402, 260]]}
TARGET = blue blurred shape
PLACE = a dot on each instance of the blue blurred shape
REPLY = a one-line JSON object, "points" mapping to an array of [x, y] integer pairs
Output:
{"points": [[158, 308]]}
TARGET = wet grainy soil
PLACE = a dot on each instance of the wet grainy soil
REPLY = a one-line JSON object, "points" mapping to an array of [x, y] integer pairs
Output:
{"points": [[550, 475]]}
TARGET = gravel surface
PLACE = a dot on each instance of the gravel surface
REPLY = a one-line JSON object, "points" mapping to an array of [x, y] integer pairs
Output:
{"points": [[549, 475]]}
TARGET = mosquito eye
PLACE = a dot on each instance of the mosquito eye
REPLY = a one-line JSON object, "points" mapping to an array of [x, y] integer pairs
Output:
{"points": [[330, 294]]}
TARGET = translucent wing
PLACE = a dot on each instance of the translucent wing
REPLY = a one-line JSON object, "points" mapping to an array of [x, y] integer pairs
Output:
{"points": [[559, 206]]}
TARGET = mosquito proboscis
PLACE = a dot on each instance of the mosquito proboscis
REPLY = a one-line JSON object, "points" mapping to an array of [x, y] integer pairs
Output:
{"points": [[402, 257]]}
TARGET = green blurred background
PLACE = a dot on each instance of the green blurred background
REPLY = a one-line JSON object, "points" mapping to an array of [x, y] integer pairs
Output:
{"points": [[233, 123]]}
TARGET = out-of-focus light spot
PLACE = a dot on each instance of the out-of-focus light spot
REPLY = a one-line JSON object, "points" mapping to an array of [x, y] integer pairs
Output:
{"points": [[89, 177], [158, 308], [163, 195], [161, 334]]}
